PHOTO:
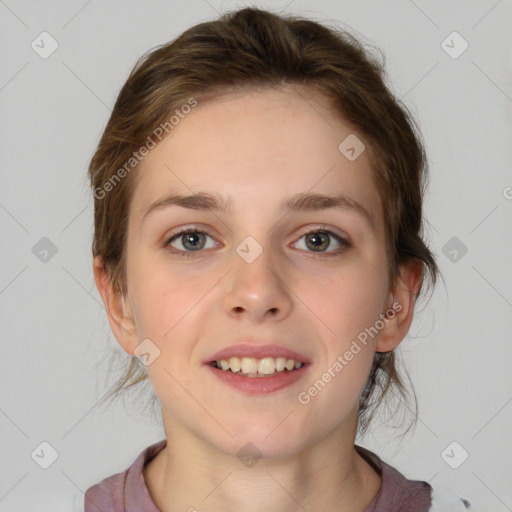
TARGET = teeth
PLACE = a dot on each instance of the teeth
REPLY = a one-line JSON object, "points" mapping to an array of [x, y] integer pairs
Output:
{"points": [[257, 367], [234, 363], [249, 365], [280, 364], [266, 366]]}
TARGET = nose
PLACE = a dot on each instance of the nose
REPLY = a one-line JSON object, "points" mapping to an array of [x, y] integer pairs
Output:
{"points": [[257, 289]]}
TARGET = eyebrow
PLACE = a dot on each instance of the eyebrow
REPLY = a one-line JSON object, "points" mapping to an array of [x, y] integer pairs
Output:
{"points": [[303, 202]]}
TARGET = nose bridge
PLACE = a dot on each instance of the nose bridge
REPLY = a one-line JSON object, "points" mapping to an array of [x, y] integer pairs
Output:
{"points": [[253, 261], [255, 284]]}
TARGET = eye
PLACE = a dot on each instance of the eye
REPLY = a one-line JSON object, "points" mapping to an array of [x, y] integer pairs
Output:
{"points": [[190, 240], [321, 239]]}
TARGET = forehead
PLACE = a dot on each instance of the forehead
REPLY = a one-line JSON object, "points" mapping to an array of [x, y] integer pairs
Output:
{"points": [[257, 146]]}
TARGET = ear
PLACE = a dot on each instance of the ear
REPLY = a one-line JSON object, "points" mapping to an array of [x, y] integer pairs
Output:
{"points": [[120, 316], [400, 307]]}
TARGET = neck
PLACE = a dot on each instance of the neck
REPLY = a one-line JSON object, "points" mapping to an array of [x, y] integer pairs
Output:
{"points": [[191, 474]]}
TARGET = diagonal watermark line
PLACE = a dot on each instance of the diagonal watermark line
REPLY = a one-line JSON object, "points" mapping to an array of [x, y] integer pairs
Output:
{"points": [[291, 496], [14, 485], [89, 500], [504, 298], [198, 301], [407, 405], [499, 1], [19, 19], [404, 95], [312, 107], [13, 217], [81, 490], [14, 423], [276, 223], [484, 218], [73, 220], [425, 14], [432, 478], [287, 5], [184, 184], [13, 279], [501, 409], [76, 14], [14, 76], [206, 1], [83, 287], [81, 419], [280, 422], [491, 490], [86, 85], [199, 403], [492, 81], [301, 300], [223, 480]]}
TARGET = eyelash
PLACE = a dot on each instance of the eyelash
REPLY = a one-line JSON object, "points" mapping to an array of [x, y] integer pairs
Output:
{"points": [[190, 254]]}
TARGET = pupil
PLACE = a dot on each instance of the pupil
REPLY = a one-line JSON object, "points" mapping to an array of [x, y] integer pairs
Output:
{"points": [[192, 238], [317, 237]]}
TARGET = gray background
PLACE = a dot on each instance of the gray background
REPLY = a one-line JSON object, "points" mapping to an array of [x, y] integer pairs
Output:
{"points": [[55, 337]]}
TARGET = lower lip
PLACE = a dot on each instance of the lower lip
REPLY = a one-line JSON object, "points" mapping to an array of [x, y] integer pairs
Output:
{"points": [[259, 385]]}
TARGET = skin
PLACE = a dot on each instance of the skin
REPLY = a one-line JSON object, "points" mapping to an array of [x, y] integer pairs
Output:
{"points": [[257, 148]]}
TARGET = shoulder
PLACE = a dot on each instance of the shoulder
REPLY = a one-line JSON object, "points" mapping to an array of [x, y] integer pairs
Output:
{"points": [[397, 492], [118, 492], [107, 495], [400, 494]]}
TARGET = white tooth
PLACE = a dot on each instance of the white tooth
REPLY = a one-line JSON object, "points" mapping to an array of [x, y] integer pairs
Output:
{"points": [[249, 365], [290, 364], [258, 367], [235, 364], [280, 364], [266, 366]]}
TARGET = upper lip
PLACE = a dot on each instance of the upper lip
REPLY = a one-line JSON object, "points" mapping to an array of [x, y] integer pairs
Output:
{"points": [[258, 351]]}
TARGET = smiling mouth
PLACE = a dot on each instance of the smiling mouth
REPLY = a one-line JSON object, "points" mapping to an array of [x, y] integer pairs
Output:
{"points": [[251, 367]]}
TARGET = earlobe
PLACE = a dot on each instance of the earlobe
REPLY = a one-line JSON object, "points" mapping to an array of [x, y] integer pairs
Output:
{"points": [[400, 307], [120, 316]]}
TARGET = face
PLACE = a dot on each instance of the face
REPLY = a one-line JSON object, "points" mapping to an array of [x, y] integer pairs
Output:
{"points": [[309, 280]]}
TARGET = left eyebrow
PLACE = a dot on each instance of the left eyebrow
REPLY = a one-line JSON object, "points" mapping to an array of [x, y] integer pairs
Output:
{"points": [[303, 202], [316, 202]]}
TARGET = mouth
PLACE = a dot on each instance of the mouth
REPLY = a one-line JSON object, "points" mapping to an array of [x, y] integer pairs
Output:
{"points": [[260, 368]]}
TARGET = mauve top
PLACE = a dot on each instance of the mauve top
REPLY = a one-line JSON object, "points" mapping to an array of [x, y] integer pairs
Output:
{"points": [[127, 491]]}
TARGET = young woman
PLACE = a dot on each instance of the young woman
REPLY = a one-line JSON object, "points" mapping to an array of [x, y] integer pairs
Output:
{"points": [[258, 247]]}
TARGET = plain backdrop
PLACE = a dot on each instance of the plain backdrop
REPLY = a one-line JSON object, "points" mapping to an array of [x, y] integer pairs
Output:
{"points": [[54, 334]]}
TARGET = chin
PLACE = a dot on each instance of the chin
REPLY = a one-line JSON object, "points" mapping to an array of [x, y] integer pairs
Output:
{"points": [[269, 443]]}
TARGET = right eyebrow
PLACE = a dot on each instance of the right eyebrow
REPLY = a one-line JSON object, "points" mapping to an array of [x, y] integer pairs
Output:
{"points": [[199, 201]]}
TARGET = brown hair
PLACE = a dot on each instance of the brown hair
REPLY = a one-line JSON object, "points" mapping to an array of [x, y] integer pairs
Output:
{"points": [[250, 49]]}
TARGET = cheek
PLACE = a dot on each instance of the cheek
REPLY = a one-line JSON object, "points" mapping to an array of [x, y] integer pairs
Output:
{"points": [[347, 300], [164, 311], [348, 303], [162, 295]]}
